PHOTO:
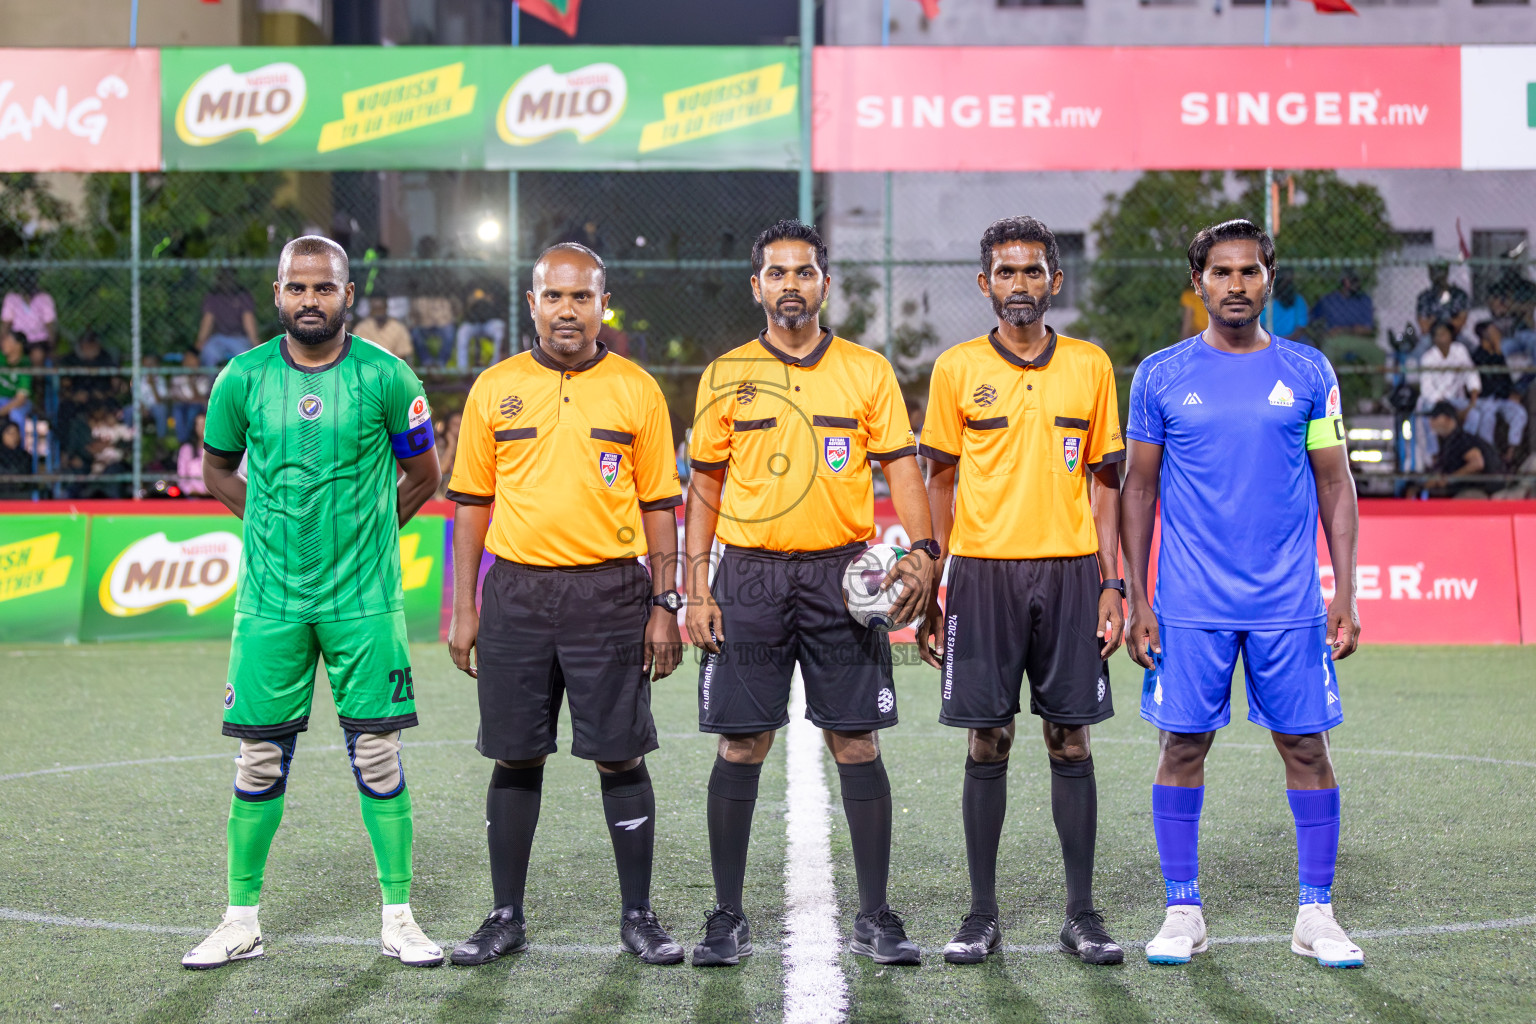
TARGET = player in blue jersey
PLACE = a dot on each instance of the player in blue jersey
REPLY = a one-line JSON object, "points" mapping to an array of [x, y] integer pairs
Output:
{"points": [[1239, 433]]}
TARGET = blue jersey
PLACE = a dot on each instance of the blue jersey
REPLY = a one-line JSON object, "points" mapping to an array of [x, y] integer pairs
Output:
{"points": [[1239, 501]]}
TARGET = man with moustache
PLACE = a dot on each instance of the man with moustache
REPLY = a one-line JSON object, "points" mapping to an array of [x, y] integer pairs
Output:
{"points": [[571, 446], [785, 431], [326, 423], [1236, 440], [1029, 423]]}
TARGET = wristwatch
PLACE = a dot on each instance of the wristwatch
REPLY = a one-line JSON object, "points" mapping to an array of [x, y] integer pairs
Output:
{"points": [[1113, 585], [929, 547], [671, 600]]}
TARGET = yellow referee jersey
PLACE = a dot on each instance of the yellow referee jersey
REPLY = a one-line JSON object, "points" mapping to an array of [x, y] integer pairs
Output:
{"points": [[795, 437], [1025, 433], [569, 455]]}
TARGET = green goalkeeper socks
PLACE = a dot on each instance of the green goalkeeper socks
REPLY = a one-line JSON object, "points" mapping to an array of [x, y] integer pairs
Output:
{"points": [[252, 824], [389, 828]]}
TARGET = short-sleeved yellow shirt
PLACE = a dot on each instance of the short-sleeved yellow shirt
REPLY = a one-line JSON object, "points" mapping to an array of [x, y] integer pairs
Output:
{"points": [[1025, 434], [570, 456], [795, 437]]}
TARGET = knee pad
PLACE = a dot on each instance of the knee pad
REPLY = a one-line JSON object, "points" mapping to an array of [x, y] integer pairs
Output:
{"points": [[261, 771], [376, 763]]}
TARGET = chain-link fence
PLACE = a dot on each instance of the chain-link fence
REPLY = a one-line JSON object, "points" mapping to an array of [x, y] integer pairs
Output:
{"points": [[432, 257]]}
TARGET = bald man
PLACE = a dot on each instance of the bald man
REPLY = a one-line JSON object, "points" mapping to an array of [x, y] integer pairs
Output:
{"points": [[571, 445], [337, 439]]}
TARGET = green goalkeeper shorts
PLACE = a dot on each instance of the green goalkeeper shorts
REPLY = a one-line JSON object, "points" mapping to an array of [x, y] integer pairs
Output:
{"points": [[272, 675]]}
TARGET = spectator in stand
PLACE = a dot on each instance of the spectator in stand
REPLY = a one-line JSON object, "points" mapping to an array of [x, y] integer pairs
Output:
{"points": [[434, 316], [448, 444], [1442, 301], [1289, 308], [15, 388], [29, 313], [189, 460], [45, 386], [155, 395], [14, 461], [111, 441], [1498, 397], [88, 354], [481, 335], [1461, 454], [1193, 317], [228, 326], [189, 396], [384, 330], [1446, 376]]}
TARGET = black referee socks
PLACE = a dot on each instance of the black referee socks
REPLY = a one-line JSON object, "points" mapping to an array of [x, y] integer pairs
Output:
{"points": [[983, 804], [1075, 806], [732, 799], [630, 804], [867, 803], [511, 817]]}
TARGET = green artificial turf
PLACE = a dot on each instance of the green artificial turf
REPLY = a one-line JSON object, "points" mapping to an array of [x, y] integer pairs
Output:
{"points": [[1428, 841]]}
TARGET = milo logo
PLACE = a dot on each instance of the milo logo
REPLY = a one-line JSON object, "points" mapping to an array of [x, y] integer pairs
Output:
{"points": [[153, 571], [222, 102], [585, 102]]}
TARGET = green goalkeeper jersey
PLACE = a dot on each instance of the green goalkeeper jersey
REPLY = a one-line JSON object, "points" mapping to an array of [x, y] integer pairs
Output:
{"points": [[322, 533]]}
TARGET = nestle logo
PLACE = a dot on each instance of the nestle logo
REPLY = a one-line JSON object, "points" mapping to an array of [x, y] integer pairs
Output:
{"points": [[511, 406]]}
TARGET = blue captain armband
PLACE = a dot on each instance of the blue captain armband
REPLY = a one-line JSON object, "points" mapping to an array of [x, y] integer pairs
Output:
{"points": [[410, 443]]}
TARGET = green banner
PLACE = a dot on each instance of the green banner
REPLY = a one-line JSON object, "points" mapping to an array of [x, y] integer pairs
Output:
{"points": [[42, 577], [161, 577], [445, 107], [421, 571]]}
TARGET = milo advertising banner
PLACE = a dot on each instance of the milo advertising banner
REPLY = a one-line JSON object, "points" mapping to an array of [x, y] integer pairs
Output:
{"points": [[42, 577], [556, 108], [174, 577]]}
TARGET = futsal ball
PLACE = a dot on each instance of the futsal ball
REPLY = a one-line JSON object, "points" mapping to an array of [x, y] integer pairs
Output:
{"points": [[867, 603]]}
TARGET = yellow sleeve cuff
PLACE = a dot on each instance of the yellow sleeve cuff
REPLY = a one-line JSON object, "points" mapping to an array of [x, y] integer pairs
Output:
{"points": [[1327, 432]]}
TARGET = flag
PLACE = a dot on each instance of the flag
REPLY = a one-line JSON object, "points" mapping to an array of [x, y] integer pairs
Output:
{"points": [[930, 8], [1334, 7], [1461, 241], [560, 13]]}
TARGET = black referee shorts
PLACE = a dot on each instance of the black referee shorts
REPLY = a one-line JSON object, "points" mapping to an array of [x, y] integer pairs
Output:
{"points": [[1006, 619], [779, 608], [546, 632]]}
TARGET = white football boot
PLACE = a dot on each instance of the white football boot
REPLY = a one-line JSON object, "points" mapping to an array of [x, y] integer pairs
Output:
{"points": [[1319, 936], [404, 940], [237, 938], [1181, 936]]}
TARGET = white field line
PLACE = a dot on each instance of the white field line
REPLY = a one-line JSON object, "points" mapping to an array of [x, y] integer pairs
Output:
{"points": [[174, 759], [1474, 758], [815, 991], [1506, 924]]}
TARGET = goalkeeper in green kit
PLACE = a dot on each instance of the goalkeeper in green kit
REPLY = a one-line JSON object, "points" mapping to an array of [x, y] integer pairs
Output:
{"points": [[338, 444]]}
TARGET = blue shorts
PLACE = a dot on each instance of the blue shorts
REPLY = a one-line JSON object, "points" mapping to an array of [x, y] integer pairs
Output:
{"points": [[1292, 686]]}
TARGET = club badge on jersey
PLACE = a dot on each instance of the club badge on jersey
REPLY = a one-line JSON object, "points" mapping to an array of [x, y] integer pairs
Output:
{"points": [[310, 407], [608, 466], [835, 450], [1071, 450]]}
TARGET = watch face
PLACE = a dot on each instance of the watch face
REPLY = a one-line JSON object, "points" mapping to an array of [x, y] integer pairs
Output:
{"points": [[671, 601]]}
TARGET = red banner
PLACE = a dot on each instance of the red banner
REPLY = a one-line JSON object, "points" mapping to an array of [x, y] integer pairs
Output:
{"points": [[1525, 574], [79, 110], [980, 108]]}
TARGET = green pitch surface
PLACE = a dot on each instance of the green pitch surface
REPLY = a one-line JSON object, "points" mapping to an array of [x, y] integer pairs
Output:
{"points": [[114, 786]]}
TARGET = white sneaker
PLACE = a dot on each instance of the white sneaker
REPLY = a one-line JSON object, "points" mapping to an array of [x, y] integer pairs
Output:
{"points": [[404, 940], [1318, 935], [234, 939], [1181, 936]]}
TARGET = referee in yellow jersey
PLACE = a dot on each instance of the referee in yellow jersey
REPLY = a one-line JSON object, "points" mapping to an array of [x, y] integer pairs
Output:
{"points": [[572, 447], [1028, 423], [785, 430]]}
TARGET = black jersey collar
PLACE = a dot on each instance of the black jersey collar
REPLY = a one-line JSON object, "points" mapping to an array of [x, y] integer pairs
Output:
{"points": [[808, 360], [545, 359], [1038, 363], [282, 346]]}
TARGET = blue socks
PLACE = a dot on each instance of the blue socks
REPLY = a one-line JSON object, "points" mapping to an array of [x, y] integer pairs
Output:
{"points": [[1176, 822], [1317, 841]]}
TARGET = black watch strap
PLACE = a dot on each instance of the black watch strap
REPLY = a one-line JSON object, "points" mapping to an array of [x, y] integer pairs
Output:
{"points": [[927, 546], [1113, 585]]}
